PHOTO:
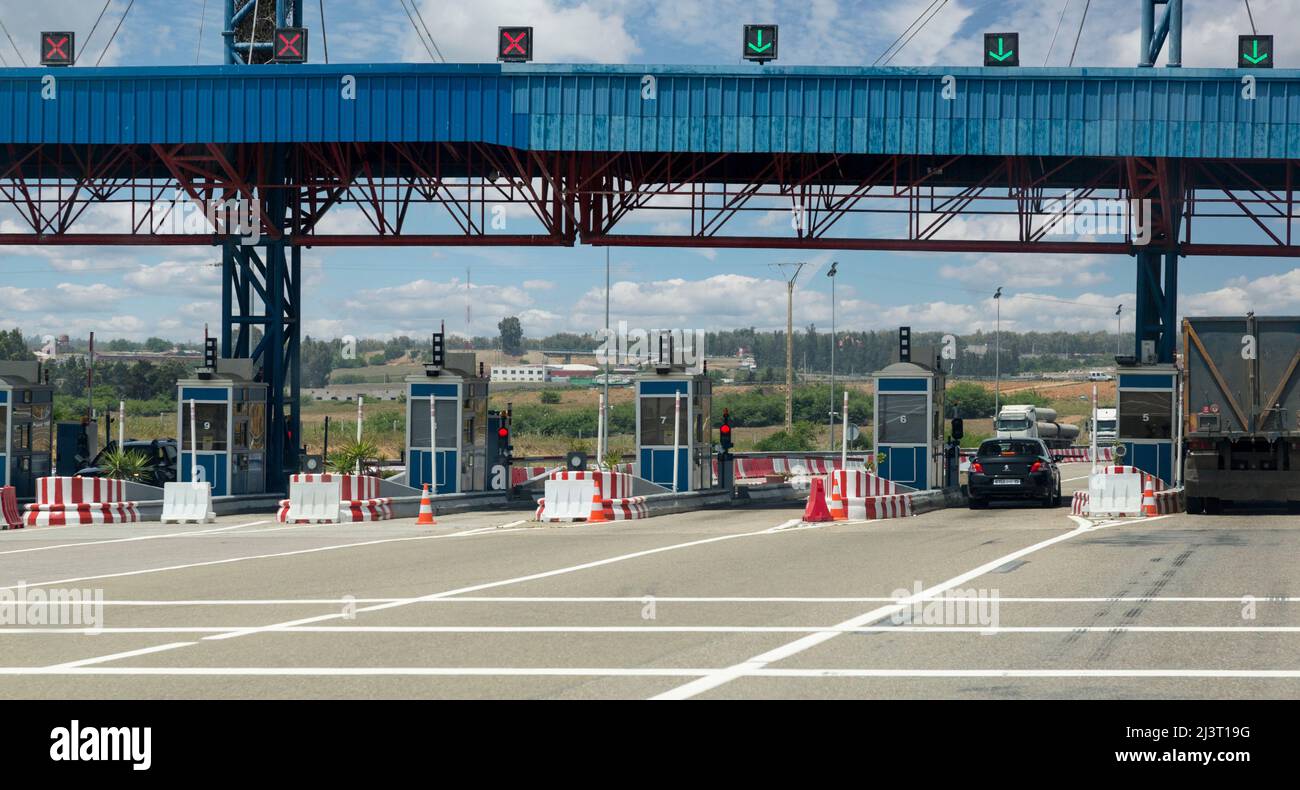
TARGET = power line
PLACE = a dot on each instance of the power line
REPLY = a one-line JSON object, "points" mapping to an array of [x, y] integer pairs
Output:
{"points": [[324, 35], [86, 44], [114, 36], [1061, 19], [915, 32], [416, 29], [904, 33], [1079, 34], [203, 17], [12, 44], [416, 5]]}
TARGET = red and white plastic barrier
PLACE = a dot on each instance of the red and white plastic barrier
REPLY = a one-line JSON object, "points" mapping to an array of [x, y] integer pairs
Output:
{"points": [[1079, 505], [860, 495], [65, 501], [79, 490], [39, 515], [588, 496], [351, 487], [626, 509], [10, 518], [358, 500]]}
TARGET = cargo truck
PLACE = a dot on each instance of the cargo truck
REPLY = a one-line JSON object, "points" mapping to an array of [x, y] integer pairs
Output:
{"points": [[1241, 411], [1034, 422]]}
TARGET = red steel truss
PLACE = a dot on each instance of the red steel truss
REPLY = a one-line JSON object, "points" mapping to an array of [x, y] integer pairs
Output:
{"points": [[414, 194]]}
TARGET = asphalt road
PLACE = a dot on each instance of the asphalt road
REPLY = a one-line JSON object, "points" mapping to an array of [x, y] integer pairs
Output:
{"points": [[725, 604]]}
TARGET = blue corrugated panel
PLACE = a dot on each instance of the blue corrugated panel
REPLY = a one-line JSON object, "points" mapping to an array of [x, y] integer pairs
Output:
{"points": [[1028, 112]]}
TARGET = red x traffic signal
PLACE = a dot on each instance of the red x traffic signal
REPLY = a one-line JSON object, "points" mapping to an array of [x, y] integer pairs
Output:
{"points": [[515, 44], [290, 44], [58, 49]]}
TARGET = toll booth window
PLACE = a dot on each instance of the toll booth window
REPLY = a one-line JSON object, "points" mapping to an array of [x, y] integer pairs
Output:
{"points": [[657, 415], [1146, 415], [902, 419], [42, 437], [210, 424], [446, 416], [256, 426], [4, 425]]}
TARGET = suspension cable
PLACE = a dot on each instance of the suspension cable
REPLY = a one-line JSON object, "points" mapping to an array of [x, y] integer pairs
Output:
{"points": [[416, 29], [416, 5], [111, 38], [1251, 16], [203, 17], [915, 32], [1079, 34], [876, 62], [1061, 19], [324, 35], [21, 59], [85, 45]]}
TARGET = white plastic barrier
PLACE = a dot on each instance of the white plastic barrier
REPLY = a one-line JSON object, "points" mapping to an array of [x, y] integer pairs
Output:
{"points": [[184, 502], [1115, 491], [569, 499], [314, 502]]}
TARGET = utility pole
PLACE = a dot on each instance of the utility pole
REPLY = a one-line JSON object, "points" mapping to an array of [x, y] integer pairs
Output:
{"points": [[789, 342], [997, 361], [831, 274]]}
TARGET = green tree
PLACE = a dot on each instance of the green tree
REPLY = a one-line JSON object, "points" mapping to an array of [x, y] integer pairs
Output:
{"points": [[512, 336], [965, 399], [13, 347]]}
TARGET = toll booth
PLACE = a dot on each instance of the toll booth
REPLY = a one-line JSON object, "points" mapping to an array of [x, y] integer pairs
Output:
{"points": [[26, 426], [656, 394], [908, 421], [452, 400], [1147, 402], [230, 424]]}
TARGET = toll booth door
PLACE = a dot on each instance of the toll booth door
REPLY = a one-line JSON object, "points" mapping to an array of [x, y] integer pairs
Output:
{"points": [[1154, 459], [657, 467], [905, 464], [443, 480], [212, 468]]}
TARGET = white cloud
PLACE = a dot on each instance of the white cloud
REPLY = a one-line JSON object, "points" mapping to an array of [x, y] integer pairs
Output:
{"points": [[564, 32]]}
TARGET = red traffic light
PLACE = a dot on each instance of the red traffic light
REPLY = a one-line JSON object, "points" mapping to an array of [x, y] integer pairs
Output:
{"points": [[503, 432], [725, 429], [515, 44]]}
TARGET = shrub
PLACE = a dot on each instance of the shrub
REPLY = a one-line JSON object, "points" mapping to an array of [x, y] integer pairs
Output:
{"points": [[550, 397]]}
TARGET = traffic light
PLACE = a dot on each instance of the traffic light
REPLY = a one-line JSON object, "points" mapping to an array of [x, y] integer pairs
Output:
{"points": [[724, 432], [1254, 52], [515, 44], [290, 44], [1001, 49], [58, 49], [759, 43]]}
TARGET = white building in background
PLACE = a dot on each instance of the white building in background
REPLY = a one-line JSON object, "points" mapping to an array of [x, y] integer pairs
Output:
{"points": [[533, 374]]}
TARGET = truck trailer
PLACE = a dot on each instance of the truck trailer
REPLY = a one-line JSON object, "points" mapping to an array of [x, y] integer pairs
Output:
{"points": [[1241, 411], [1034, 422]]}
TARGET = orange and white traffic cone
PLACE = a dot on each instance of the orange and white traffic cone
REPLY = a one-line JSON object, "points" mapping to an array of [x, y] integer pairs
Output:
{"points": [[1149, 499], [426, 508], [597, 507], [839, 506]]}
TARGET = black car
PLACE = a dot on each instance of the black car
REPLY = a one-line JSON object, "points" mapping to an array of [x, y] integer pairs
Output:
{"points": [[161, 454], [1014, 469]]}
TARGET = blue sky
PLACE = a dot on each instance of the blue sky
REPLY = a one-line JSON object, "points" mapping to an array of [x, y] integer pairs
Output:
{"points": [[137, 292]]}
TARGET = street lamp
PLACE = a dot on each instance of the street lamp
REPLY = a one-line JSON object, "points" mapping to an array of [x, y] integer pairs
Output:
{"points": [[1119, 324], [831, 274], [997, 361]]}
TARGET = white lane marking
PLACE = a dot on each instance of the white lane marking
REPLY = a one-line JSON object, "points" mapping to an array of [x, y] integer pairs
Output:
{"points": [[1027, 673], [1072, 479], [664, 629], [503, 582], [128, 654], [724, 676], [1254, 598], [273, 555], [365, 671], [649, 672], [131, 539]]}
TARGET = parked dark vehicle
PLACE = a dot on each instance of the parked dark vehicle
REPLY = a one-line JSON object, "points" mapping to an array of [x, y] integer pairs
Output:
{"points": [[1014, 469], [161, 454]]}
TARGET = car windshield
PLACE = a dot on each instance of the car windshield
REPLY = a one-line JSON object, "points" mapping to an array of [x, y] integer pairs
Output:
{"points": [[995, 449], [1013, 424]]}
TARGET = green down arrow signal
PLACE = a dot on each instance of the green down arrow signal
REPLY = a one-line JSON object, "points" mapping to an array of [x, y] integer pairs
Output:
{"points": [[760, 46], [1002, 53], [1255, 57]]}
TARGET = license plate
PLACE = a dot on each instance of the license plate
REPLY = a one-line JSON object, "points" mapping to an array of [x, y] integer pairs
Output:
{"points": [[1006, 481]]}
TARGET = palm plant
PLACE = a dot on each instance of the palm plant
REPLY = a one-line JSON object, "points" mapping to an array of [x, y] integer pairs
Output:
{"points": [[124, 464], [346, 459]]}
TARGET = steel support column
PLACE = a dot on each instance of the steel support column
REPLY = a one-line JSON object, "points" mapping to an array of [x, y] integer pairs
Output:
{"points": [[263, 290], [1157, 303]]}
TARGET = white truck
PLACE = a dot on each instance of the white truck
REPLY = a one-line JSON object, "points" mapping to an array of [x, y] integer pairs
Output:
{"points": [[1104, 427], [1034, 422]]}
